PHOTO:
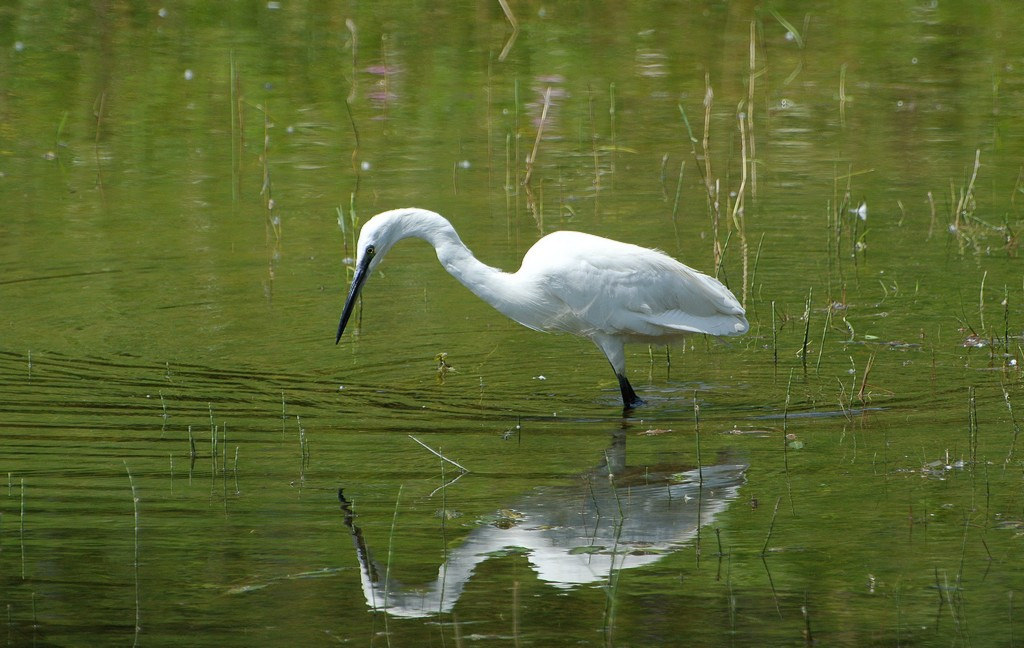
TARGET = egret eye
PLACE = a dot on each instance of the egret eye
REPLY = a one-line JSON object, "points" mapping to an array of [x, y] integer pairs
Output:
{"points": [[370, 250]]}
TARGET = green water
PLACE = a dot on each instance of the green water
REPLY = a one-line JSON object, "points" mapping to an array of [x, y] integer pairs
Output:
{"points": [[171, 267]]}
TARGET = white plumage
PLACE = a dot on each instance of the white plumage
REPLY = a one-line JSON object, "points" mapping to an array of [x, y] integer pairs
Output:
{"points": [[604, 290]]}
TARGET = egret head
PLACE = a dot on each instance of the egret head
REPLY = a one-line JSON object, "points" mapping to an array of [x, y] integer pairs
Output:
{"points": [[376, 237]]}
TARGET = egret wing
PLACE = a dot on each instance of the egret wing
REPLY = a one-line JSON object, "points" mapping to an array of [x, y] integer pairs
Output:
{"points": [[616, 288]]}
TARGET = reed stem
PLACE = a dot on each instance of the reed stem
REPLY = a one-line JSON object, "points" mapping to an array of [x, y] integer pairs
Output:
{"points": [[135, 560]]}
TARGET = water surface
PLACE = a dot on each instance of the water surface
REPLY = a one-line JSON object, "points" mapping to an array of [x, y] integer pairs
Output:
{"points": [[176, 423]]}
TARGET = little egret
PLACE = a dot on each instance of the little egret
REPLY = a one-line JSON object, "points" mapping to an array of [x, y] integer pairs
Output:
{"points": [[606, 291]]}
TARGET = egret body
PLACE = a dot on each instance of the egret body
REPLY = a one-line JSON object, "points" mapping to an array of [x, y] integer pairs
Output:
{"points": [[606, 291]]}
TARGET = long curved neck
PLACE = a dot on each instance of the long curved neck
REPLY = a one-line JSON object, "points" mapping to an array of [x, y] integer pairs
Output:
{"points": [[487, 283]]}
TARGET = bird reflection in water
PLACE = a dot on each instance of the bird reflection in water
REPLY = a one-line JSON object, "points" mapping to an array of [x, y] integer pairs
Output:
{"points": [[614, 518]]}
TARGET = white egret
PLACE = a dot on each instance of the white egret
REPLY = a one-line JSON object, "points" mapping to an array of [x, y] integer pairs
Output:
{"points": [[606, 291]]}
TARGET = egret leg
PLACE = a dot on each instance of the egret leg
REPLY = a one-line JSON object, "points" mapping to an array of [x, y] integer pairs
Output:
{"points": [[629, 397], [615, 351]]}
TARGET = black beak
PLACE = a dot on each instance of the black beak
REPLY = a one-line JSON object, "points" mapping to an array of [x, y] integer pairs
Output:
{"points": [[362, 272]]}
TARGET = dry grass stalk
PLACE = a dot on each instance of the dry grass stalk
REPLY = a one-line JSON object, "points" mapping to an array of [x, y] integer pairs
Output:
{"points": [[530, 161], [738, 216]]}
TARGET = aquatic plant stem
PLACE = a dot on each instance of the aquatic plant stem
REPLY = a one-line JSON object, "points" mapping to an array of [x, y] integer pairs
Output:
{"points": [[355, 136], [771, 526], [675, 202], [224, 451], [611, 122], [164, 416], [807, 328], [824, 331], [738, 208], [808, 637], [213, 440], [757, 258], [972, 426], [967, 196], [931, 223], [515, 29], [842, 95], [1006, 317], [981, 303], [135, 561], [444, 542], [536, 142], [700, 473], [350, 25], [435, 452], [785, 441], [751, 145], [775, 338], [21, 532], [387, 569], [862, 393], [1016, 429]]}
